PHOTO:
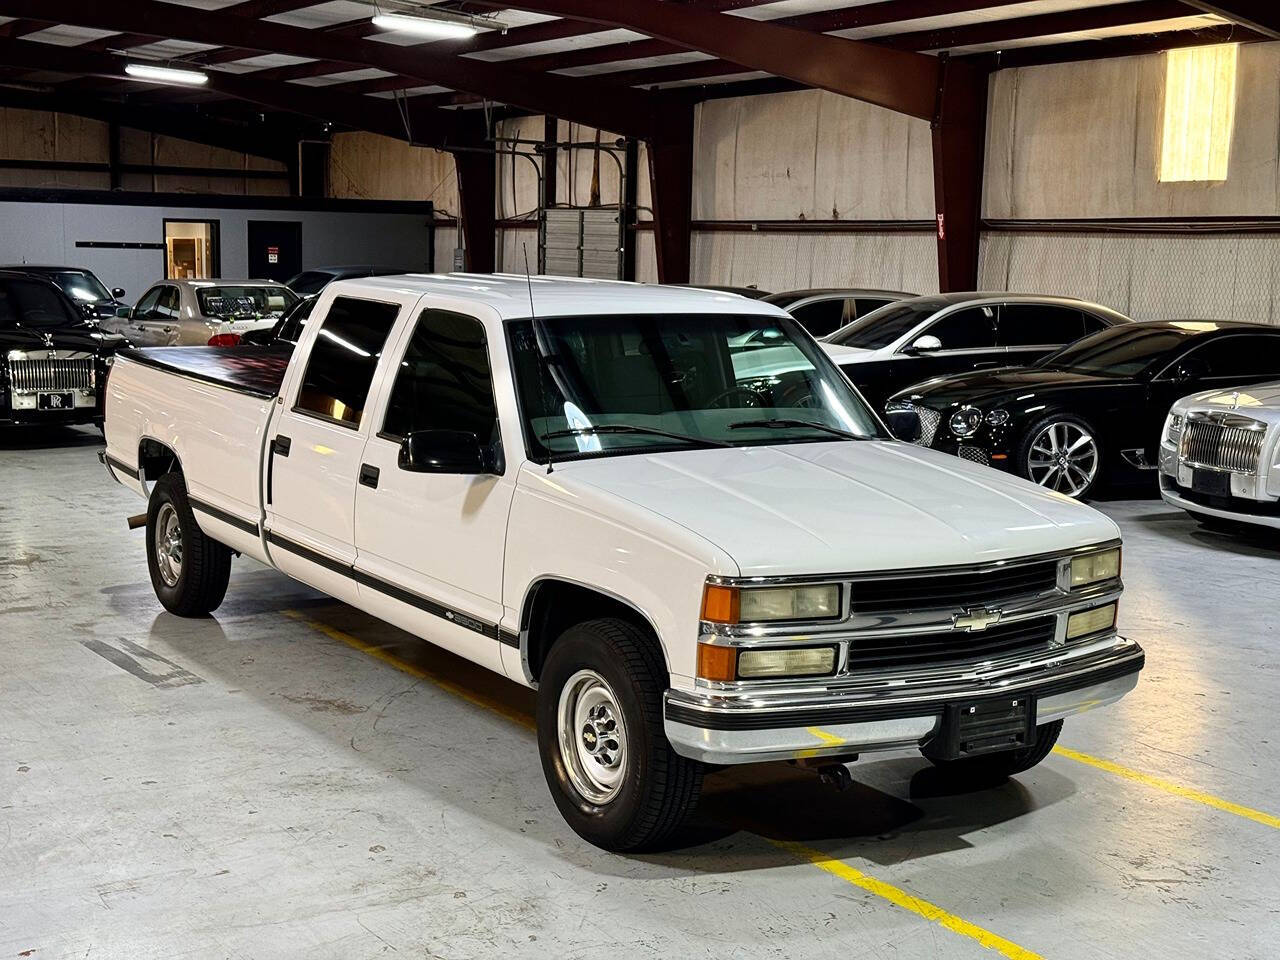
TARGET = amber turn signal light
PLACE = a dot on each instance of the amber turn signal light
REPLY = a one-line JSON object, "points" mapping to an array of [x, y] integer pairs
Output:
{"points": [[719, 604], [717, 663]]}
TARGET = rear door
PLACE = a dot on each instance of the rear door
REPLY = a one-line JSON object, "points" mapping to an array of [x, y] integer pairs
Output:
{"points": [[317, 436], [430, 545]]}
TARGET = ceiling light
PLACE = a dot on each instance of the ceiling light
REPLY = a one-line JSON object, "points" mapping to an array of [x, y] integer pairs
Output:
{"points": [[157, 74], [425, 26]]}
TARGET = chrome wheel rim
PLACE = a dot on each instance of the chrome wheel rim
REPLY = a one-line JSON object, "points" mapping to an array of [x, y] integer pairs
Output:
{"points": [[593, 738], [169, 545], [1063, 457]]}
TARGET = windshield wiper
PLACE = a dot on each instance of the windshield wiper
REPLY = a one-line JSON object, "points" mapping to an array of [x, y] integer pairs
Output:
{"points": [[631, 428], [781, 423]]}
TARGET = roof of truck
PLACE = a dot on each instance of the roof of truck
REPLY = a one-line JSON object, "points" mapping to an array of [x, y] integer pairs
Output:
{"points": [[509, 294]]}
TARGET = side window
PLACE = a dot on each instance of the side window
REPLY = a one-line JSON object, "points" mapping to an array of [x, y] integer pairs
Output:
{"points": [[1248, 356], [821, 317], [971, 329], [866, 304], [148, 303], [344, 356], [167, 308], [444, 381], [1093, 324], [1033, 325]]}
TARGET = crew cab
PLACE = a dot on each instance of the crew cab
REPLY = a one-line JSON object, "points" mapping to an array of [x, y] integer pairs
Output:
{"points": [[694, 557]]}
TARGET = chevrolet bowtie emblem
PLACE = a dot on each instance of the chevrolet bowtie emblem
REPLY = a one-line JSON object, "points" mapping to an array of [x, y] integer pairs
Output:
{"points": [[976, 619]]}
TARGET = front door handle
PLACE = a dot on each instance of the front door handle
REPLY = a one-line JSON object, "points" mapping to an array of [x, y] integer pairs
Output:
{"points": [[369, 475]]}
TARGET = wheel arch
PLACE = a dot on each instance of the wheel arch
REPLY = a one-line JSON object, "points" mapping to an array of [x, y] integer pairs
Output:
{"points": [[552, 604], [155, 459]]}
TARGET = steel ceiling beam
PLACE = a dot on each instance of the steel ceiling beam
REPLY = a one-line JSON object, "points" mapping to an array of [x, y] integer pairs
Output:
{"points": [[1081, 50], [896, 79], [1260, 16], [624, 111]]}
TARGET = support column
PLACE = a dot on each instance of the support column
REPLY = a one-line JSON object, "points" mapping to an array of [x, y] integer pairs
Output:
{"points": [[477, 191], [959, 157], [671, 180]]}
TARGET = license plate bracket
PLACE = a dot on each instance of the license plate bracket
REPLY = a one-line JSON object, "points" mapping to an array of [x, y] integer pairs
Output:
{"points": [[1215, 483], [989, 725], [56, 401]]}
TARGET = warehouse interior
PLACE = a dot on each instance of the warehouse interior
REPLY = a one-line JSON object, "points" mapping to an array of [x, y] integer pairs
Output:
{"points": [[292, 777]]}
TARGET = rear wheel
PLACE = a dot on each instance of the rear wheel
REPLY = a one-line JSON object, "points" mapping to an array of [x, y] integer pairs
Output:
{"points": [[189, 571], [994, 767], [1062, 452], [611, 769]]}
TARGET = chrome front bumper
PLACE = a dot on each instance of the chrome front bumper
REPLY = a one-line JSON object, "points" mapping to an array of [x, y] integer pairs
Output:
{"points": [[861, 714]]}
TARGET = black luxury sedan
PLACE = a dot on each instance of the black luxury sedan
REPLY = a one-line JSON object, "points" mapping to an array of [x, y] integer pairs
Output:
{"points": [[912, 340], [1094, 408], [310, 282], [82, 286], [53, 360]]}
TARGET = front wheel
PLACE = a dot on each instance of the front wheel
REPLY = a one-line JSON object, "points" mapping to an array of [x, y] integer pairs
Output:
{"points": [[1062, 452], [189, 570], [995, 767], [612, 772]]}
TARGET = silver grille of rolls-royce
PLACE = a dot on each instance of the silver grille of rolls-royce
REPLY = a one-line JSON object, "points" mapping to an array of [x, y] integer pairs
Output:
{"points": [[1223, 442], [50, 370]]}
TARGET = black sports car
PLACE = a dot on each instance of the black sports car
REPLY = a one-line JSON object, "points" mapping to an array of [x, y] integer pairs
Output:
{"points": [[1094, 408], [82, 286], [53, 360]]}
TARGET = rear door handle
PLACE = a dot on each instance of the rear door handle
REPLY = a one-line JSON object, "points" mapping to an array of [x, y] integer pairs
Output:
{"points": [[280, 445], [279, 448], [369, 475]]}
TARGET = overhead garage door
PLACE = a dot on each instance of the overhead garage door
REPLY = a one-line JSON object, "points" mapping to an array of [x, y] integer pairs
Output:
{"points": [[584, 242]]}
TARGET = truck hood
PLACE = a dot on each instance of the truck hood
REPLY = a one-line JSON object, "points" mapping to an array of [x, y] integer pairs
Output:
{"points": [[821, 508]]}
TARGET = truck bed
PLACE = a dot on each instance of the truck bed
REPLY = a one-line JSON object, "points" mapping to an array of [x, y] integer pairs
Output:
{"points": [[257, 371]]}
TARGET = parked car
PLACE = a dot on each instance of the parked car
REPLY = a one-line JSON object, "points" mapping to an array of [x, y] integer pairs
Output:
{"points": [[202, 312], [82, 286], [1220, 456], [1095, 408], [591, 502], [310, 282], [753, 293], [53, 360], [924, 337], [824, 311]]}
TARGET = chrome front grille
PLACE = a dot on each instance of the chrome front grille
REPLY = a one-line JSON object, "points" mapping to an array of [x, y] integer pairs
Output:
{"points": [[64, 371], [928, 419], [951, 646], [1231, 443]]}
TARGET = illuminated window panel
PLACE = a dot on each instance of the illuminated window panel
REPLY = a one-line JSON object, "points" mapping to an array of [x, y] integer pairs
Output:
{"points": [[1199, 112]]}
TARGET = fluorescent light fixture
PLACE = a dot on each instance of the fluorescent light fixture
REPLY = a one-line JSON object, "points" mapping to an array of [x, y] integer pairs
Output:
{"points": [[157, 74], [437, 28]]}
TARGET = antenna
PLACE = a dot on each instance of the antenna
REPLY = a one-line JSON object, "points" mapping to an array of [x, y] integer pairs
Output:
{"points": [[528, 279]]}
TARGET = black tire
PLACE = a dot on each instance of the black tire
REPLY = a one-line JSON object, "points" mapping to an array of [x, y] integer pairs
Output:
{"points": [[205, 570], [657, 788], [1069, 421], [996, 767]]}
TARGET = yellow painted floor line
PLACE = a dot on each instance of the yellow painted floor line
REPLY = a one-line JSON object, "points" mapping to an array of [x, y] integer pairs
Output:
{"points": [[838, 868], [478, 700], [1168, 786], [900, 898]]}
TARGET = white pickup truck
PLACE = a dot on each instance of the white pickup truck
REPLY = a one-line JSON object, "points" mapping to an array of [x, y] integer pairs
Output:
{"points": [[699, 554]]}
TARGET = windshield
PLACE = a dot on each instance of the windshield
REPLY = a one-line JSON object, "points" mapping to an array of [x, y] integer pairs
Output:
{"points": [[592, 386], [244, 301], [310, 282], [1124, 351], [879, 328], [80, 285]]}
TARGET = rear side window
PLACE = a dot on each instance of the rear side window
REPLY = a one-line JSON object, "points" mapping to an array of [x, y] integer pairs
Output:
{"points": [[444, 381], [1033, 325], [971, 329], [864, 305], [821, 318], [343, 359]]}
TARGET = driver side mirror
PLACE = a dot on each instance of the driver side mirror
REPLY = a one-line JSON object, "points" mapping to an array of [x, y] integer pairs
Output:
{"points": [[447, 451], [925, 344], [117, 292]]}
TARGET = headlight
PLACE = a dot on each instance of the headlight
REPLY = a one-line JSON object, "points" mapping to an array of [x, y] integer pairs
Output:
{"points": [[727, 664], [1173, 428], [724, 604], [1091, 621], [965, 421], [1095, 567]]}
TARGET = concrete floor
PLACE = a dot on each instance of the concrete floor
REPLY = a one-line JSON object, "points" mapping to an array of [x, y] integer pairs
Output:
{"points": [[257, 785]]}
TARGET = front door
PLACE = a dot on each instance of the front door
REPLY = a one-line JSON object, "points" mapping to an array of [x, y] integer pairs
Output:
{"points": [[430, 545], [315, 442], [159, 324], [275, 249]]}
